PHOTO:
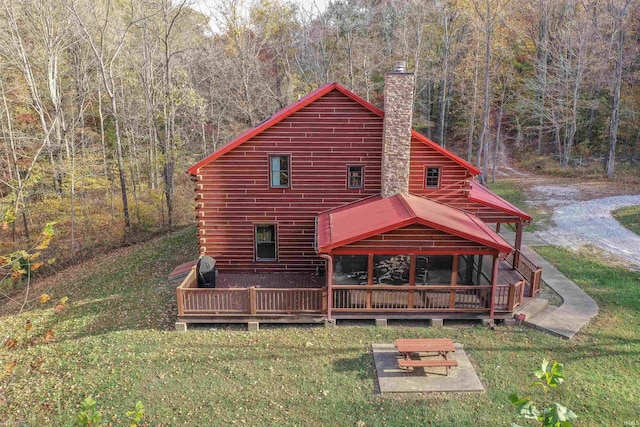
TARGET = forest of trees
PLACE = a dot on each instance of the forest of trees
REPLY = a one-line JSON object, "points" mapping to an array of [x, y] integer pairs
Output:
{"points": [[104, 104]]}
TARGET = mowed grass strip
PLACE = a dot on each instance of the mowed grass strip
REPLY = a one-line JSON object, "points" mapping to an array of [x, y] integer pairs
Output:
{"points": [[629, 217], [115, 341]]}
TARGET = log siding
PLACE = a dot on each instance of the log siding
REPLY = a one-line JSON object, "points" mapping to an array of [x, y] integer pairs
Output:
{"points": [[233, 193], [414, 239]]}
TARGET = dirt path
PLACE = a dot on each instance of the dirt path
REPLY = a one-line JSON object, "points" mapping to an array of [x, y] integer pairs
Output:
{"points": [[580, 211], [589, 222]]}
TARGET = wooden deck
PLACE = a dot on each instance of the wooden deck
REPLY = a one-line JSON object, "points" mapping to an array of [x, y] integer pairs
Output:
{"points": [[303, 297], [270, 280]]}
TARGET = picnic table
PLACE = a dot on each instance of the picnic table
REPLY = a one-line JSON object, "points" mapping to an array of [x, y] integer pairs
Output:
{"points": [[441, 346]]}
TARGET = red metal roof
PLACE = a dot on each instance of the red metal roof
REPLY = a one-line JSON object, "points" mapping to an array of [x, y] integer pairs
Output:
{"points": [[484, 196], [303, 102], [378, 215]]}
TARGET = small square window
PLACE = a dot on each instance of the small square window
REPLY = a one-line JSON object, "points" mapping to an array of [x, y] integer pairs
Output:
{"points": [[432, 177], [355, 176], [266, 242], [279, 171]]}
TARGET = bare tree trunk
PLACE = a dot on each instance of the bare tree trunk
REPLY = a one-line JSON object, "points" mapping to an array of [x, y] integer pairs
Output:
{"points": [[485, 134], [107, 173], [619, 14], [105, 69], [498, 131], [543, 57], [119, 158], [472, 122]]}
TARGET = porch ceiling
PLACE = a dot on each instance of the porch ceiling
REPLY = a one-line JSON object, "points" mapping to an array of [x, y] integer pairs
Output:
{"points": [[341, 226]]}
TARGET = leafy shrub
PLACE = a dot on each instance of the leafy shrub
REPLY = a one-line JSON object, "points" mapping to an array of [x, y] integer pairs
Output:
{"points": [[554, 414]]}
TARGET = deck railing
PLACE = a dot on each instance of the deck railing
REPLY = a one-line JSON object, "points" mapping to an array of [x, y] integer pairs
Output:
{"points": [[509, 297], [531, 272], [206, 302], [194, 301], [359, 298]]}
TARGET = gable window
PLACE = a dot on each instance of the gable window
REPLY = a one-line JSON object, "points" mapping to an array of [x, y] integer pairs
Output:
{"points": [[266, 242], [355, 176], [280, 171], [432, 177]]}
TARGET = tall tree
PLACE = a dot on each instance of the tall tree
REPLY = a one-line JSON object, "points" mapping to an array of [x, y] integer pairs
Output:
{"points": [[106, 37], [489, 12], [618, 11]]}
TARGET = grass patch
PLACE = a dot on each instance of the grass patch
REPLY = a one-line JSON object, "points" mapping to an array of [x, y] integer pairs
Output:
{"points": [[629, 217], [513, 192], [115, 341]]}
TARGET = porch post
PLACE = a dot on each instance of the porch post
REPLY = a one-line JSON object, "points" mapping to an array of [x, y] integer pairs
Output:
{"points": [[498, 228], [329, 259], [518, 244], [454, 281], [412, 279], [494, 282], [369, 280]]}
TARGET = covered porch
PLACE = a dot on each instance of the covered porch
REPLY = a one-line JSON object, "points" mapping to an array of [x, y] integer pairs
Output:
{"points": [[399, 257]]}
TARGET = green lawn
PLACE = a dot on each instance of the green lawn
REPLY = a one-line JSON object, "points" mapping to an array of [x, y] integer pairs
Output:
{"points": [[629, 217], [115, 341]]}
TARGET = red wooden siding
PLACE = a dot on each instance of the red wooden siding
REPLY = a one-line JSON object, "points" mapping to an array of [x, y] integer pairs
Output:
{"points": [[233, 192], [453, 177], [414, 239], [454, 183]]}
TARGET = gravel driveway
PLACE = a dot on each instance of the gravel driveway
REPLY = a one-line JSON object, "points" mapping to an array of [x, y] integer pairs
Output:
{"points": [[580, 223]]}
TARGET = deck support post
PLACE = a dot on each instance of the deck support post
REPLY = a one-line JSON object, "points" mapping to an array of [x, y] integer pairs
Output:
{"points": [[436, 323], [518, 244], [494, 283]]}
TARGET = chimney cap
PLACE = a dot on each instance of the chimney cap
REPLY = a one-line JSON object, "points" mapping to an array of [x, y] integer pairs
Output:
{"points": [[400, 67]]}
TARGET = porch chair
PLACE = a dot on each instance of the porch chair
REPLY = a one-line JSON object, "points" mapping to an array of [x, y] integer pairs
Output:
{"points": [[422, 263]]}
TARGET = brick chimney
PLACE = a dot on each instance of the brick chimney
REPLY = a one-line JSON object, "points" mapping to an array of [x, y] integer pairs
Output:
{"points": [[396, 140]]}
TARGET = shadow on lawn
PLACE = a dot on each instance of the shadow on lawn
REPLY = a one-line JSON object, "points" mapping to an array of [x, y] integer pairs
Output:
{"points": [[123, 290], [363, 365]]}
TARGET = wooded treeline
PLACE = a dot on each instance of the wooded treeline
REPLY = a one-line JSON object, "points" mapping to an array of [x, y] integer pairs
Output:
{"points": [[105, 104]]}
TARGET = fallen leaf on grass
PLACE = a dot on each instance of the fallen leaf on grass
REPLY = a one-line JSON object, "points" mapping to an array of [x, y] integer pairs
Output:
{"points": [[10, 343], [49, 336], [44, 298], [10, 367]]}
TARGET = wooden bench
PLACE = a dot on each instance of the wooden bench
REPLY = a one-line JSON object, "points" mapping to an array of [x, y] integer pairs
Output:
{"points": [[427, 363]]}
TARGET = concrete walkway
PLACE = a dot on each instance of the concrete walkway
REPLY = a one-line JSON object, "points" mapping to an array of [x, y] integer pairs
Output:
{"points": [[577, 308]]}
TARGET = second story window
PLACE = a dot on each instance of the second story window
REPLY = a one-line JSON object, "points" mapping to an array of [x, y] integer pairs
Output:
{"points": [[432, 177], [280, 171], [355, 176]]}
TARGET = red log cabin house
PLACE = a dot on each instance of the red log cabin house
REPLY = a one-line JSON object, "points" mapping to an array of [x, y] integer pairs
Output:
{"points": [[333, 209]]}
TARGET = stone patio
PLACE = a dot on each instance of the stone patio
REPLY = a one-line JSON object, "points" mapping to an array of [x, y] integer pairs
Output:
{"points": [[392, 379]]}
